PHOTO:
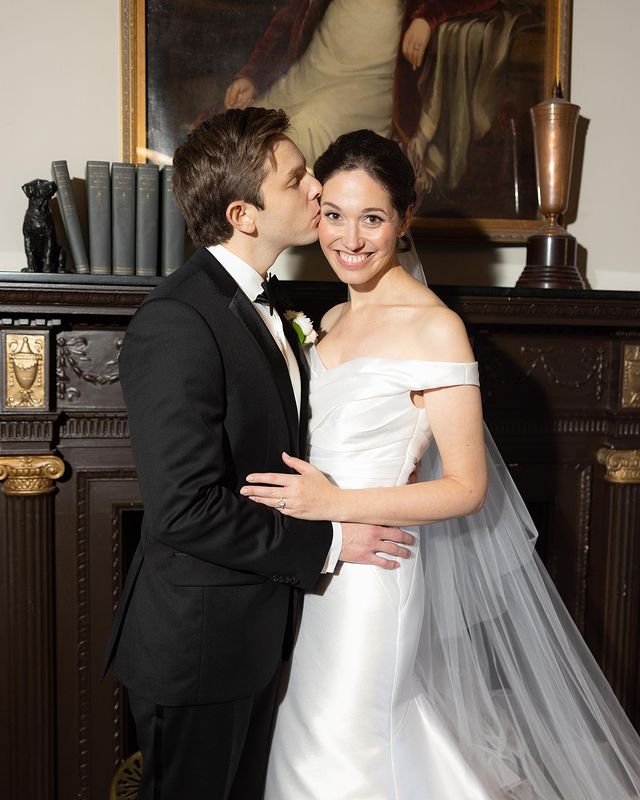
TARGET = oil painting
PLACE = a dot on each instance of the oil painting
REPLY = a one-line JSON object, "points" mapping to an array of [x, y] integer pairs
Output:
{"points": [[451, 80]]}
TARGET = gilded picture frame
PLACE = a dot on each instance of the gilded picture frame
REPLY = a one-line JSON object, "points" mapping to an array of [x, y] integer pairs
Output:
{"points": [[481, 187]]}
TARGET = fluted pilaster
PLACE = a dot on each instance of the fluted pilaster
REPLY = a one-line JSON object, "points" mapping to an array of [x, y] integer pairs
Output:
{"points": [[27, 633], [621, 646]]}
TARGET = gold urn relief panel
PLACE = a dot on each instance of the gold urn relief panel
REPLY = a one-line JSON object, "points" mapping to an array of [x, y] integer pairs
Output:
{"points": [[631, 376], [25, 383]]}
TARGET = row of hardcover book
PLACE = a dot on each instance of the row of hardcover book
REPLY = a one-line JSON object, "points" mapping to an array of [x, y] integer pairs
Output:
{"points": [[134, 225]]}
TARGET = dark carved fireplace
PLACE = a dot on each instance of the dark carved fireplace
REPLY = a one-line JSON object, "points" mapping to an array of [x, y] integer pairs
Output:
{"points": [[560, 376]]}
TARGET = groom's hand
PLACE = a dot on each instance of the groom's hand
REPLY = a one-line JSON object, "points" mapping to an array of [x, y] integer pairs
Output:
{"points": [[363, 544]]}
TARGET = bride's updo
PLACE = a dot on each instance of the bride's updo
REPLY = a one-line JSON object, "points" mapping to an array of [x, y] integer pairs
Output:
{"points": [[382, 159]]}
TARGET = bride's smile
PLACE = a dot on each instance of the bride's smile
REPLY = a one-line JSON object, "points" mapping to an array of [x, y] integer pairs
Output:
{"points": [[359, 227], [351, 260]]}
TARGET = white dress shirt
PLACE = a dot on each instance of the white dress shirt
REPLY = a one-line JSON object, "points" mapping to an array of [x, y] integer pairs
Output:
{"points": [[250, 282]]}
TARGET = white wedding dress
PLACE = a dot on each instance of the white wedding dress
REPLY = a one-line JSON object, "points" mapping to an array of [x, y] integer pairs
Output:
{"points": [[458, 676]]}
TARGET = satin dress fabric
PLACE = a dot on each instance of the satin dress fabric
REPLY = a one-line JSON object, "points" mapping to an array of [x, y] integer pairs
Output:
{"points": [[458, 676], [355, 723]]}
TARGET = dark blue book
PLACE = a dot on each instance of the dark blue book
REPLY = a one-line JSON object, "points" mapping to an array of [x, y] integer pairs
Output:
{"points": [[69, 214], [123, 218], [99, 213], [147, 218], [172, 226]]}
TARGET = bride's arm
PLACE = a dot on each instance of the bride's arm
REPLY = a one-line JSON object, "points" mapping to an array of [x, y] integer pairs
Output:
{"points": [[456, 420], [455, 416]]}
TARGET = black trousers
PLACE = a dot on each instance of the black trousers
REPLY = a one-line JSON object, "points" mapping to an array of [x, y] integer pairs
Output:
{"points": [[207, 752]]}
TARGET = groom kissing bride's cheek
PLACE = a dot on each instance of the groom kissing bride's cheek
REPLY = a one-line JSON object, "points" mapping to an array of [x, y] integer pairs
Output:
{"points": [[216, 386], [433, 658]]}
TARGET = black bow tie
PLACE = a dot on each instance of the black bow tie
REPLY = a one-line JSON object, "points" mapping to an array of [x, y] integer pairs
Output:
{"points": [[271, 294]]}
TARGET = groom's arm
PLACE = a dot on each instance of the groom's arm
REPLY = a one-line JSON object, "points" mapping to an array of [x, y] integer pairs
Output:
{"points": [[174, 387]]}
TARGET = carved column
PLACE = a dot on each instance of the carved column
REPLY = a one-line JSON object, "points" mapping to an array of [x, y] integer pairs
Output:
{"points": [[621, 642], [27, 638]]}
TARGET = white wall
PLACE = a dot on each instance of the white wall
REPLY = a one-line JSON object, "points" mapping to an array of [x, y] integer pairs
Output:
{"points": [[605, 81], [61, 100]]}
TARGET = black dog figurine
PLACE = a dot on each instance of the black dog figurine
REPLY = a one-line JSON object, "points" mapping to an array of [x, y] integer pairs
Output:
{"points": [[44, 254]]}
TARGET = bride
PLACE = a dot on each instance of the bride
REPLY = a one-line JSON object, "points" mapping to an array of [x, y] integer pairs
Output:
{"points": [[459, 675]]}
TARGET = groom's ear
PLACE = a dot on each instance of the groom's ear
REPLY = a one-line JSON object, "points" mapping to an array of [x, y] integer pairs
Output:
{"points": [[241, 215]]}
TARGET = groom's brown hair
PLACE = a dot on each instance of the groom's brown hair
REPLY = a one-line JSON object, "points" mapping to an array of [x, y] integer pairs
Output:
{"points": [[224, 159]]}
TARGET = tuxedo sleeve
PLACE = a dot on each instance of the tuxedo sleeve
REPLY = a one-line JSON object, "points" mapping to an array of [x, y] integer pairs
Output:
{"points": [[174, 387]]}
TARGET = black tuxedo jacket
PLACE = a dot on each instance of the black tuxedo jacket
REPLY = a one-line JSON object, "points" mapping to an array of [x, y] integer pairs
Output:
{"points": [[207, 606]]}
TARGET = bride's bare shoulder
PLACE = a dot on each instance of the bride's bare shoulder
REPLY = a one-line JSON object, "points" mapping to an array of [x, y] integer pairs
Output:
{"points": [[331, 317], [441, 333], [424, 297]]}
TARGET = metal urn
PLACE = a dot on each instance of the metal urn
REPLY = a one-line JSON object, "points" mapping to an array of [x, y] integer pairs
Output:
{"points": [[552, 250]]}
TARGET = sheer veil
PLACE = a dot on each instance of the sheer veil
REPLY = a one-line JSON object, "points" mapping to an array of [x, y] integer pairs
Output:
{"points": [[410, 260], [502, 662]]}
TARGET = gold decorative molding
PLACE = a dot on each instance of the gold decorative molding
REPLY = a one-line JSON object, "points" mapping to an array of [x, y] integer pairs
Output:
{"points": [[126, 781], [631, 376], [132, 78], [26, 369], [30, 475], [558, 57], [622, 466]]}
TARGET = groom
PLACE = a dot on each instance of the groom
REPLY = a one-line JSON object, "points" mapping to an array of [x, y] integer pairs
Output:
{"points": [[216, 387]]}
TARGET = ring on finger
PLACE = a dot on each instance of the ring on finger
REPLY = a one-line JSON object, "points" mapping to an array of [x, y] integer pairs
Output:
{"points": [[281, 503]]}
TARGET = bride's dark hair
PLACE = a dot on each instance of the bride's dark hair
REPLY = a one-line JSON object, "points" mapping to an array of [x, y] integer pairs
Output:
{"points": [[380, 158]]}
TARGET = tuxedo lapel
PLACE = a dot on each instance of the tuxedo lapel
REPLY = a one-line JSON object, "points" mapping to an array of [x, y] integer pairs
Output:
{"points": [[303, 365], [243, 309]]}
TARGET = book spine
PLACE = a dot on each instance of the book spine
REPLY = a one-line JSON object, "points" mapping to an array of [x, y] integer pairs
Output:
{"points": [[147, 209], [99, 211], [69, 214], [123, 218], [172, 227]]}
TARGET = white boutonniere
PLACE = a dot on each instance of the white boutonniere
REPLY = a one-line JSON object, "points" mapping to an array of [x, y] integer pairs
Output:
{"points": [[303, 327]]}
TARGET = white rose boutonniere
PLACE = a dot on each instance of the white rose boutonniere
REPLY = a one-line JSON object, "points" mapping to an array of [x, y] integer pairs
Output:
{"points": [[302, 326]]}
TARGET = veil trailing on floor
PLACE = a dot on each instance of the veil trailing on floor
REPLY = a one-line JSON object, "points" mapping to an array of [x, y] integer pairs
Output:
{"points": [[502, 663]]}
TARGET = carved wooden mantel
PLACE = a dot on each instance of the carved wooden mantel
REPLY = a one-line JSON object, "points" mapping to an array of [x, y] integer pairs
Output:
{"points": [[560, 374]]}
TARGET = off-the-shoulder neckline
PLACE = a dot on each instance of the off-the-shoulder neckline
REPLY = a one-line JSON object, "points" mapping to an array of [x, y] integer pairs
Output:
{"points": [[393, 359]]}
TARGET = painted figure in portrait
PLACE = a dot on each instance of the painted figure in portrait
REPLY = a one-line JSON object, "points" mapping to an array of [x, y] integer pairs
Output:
{"points": [[451, 80]]}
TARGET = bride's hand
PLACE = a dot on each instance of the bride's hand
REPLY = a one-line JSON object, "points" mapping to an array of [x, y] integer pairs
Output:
{"points": [[307, 495]]}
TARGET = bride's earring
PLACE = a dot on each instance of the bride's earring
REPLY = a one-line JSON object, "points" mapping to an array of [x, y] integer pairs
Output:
{"points": [[403, 243]]}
